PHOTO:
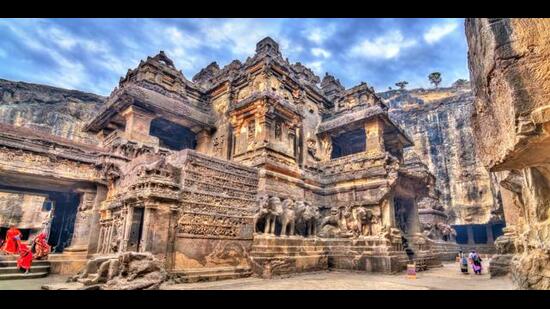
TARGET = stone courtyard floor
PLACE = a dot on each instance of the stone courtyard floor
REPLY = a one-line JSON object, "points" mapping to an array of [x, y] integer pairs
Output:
{"points": [[447, 277]]}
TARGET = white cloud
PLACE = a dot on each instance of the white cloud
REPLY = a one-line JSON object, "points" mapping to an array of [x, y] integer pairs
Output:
{"points": [[437, 32], [320, 52], [386, 47], [319, 34]]}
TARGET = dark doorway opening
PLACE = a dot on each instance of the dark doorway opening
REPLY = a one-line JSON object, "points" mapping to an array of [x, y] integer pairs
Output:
{"points": [[172, 135], [136, 229], [403, 207], [63, 207], [348, 143]]}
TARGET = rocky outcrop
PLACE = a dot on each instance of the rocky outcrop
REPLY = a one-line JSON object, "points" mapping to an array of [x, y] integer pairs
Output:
{"points": [[125, 271], [48, 109], [438, 120], [510, 75]]}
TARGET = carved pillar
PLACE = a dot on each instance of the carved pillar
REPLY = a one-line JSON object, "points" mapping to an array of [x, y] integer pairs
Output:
{"points": [[81, 231], [138, 125], [388, 212], [374, 131], [93, 239], [203, 140]]}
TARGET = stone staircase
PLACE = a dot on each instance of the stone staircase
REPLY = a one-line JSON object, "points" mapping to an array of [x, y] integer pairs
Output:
{"points": [[9, 271], [210, 274]]}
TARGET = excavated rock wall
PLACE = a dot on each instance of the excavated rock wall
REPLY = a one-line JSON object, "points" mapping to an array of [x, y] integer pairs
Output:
{"points": [[438, 120], [510, 75], [48, 109]]}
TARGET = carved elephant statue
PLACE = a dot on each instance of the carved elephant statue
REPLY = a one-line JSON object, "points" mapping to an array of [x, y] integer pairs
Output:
{"points": [[262, 210], [275, 210], [288, 218], [310, 217]]}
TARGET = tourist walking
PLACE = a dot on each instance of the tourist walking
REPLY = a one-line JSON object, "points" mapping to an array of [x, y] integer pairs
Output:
{"points": [[13, 240], [475, 259], [41, 247], [463, 262], [25, 258]]}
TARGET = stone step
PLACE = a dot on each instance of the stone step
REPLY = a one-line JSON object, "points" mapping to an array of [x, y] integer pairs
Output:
{"points": [[15, 270], [210, 271], [30, 275], [67, 256], [212, 274], [14, 263]]}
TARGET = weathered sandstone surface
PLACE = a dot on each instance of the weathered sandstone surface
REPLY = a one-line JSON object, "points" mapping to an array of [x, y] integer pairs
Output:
{"points": [[438, 120], [48, 109], [510, 75]]}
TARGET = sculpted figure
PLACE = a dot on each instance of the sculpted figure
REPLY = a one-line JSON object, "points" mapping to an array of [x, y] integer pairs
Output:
{"points": [[333, 225], [275, 209], [288, 218], [310, 217], [262, 210], [366, 221]]}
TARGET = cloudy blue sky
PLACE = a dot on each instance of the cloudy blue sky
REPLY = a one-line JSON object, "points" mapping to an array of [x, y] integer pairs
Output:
{"points": [[92, 54]]}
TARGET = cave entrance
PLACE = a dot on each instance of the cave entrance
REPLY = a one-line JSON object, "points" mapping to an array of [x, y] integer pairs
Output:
{"points": [[32, 211], [172, 135], [348, 143]]}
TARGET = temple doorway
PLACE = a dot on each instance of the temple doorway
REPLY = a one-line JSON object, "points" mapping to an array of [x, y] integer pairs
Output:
{"points": [[136, 229], [403, 207]]}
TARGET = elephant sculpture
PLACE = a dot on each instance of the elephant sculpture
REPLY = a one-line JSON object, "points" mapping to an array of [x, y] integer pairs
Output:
{"points": [[274, 210], [310, 217], [288, 218], [262, 210], [366, 221]]}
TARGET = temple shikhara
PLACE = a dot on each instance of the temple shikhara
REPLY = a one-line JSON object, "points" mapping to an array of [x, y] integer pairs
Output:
{"points": [[247, 169]]}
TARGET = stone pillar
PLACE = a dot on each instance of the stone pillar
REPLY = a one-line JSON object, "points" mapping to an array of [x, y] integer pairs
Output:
{"points": [[470, 231], [138, 125], [414, 220], [490, 237], [374, 134], [388, 212], [203, 141], [81, 232], [93, 238]]}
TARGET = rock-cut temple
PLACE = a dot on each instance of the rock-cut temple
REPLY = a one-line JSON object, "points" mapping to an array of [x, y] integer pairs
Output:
{"points": [[257, 168]]}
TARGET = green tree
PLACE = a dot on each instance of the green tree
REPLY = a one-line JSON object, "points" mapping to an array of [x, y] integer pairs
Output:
{"points": [[401, 84], [435, 78]]}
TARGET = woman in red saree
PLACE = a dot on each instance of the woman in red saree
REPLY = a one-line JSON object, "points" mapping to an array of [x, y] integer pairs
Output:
{"points": [[41, 247], [13, 241], [25, 258]]}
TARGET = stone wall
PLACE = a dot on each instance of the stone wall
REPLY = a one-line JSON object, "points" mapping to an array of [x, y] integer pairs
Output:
{"points": [[438, 120]]}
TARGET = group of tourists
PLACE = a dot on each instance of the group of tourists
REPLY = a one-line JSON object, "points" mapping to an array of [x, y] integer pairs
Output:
{"points": [[13, 245], [474, 259]]}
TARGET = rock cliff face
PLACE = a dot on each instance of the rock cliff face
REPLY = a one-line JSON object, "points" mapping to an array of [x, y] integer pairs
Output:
{"points": [[48, 109], [438, 120], [510, 75]]}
